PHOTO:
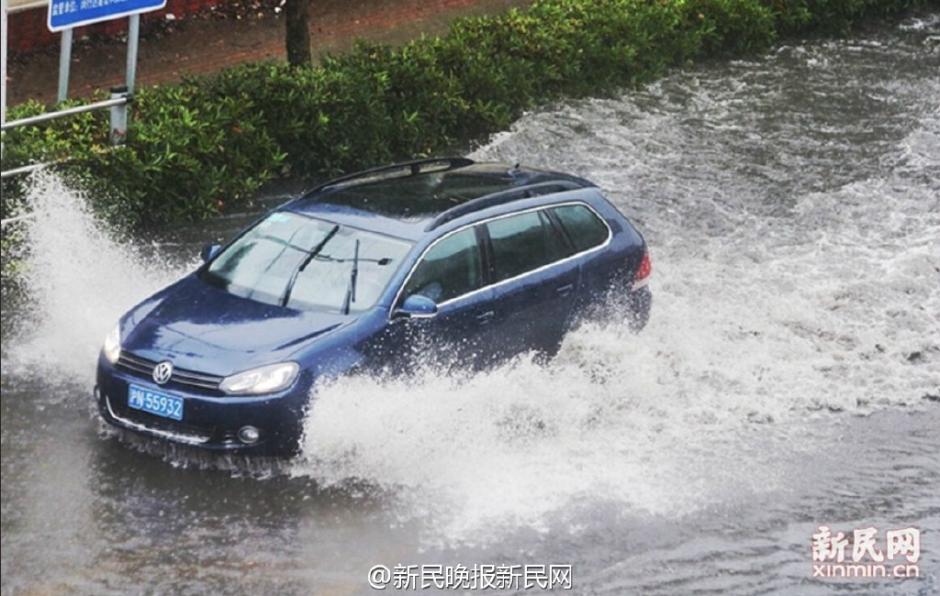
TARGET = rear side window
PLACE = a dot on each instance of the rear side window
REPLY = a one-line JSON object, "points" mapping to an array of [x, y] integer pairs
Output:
{"points": [[583, 226], [522, 243], [450, 269]]}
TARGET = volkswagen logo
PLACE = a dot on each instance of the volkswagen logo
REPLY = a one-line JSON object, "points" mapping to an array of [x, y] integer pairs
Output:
{"points": [[162, 372]]}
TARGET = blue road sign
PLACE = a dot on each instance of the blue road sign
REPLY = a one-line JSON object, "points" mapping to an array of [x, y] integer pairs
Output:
{"points": [[65, 14]]}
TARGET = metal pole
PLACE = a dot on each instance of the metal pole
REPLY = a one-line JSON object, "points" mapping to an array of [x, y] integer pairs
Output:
{"points": [[133, 36], [45, 116], [24, 170], [10, 220], [3, 59], [65, 62], [118, 116]]}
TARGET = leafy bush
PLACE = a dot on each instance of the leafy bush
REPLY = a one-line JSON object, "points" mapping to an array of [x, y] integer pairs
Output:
{"points": [[189, 154], [201, 145]]}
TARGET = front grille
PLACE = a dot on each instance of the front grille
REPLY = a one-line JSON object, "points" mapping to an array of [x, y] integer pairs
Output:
{"points": [[185, 378]]}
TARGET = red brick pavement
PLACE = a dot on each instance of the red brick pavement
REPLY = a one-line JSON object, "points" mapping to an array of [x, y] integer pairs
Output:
{"points": [[204, 45]]}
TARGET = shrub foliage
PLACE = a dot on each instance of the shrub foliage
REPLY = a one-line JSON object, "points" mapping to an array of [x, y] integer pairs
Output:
{"points": [[203, 144]]}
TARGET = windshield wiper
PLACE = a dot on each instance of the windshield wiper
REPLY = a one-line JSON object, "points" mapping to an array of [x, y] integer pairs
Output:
{"points": [[353, 276], [303, 265], [331, 259]]}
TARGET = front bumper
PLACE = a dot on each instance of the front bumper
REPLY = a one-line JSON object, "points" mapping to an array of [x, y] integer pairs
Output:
{"points": [[209, 422]]}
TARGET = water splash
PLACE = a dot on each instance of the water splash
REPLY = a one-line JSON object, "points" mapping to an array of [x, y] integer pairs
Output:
{"points": [[80, 277], [796, 276]]}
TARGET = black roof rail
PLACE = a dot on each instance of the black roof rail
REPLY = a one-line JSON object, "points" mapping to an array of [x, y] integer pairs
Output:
{"points": [[414, 168], [503, 196]]}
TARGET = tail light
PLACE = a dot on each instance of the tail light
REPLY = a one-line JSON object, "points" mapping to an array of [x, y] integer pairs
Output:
{"points": [[642, 275]]}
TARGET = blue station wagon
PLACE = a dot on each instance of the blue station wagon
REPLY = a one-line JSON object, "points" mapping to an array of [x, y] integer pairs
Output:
{"points": [[443, 260]]}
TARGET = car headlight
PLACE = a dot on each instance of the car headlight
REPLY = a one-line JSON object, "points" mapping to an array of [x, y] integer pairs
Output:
{"points": [[112, 345], [266, 379]]}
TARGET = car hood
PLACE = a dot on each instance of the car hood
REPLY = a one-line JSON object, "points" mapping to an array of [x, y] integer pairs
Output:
{"points": [[203, 328]]}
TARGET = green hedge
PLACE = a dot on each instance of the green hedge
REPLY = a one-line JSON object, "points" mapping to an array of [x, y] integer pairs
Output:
{"points": [[201, 145]]}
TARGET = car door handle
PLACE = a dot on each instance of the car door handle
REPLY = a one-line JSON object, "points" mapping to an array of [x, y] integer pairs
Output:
{"points": [[486, 317], [564, 290]]}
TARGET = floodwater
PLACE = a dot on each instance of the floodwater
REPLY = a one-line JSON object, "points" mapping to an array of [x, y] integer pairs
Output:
{"points": [[789, 377]]}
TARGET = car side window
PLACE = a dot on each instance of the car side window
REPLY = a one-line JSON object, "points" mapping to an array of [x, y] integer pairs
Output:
{"points": [[522, 243], [451, 268], [584, 227]]}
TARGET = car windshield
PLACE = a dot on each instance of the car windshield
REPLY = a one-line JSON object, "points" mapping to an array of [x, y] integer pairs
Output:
{"points": [[305, 263]]}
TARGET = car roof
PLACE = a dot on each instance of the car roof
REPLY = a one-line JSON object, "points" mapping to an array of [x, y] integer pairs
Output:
{"points": [[410, 199]]}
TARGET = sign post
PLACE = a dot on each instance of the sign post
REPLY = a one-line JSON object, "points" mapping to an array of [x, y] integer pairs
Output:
{"points": [[133, 38], [3, 58], [65, 63], [65, 15]]}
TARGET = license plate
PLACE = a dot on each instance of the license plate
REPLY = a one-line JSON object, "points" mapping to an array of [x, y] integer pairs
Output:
{"points": [[154, 402]]}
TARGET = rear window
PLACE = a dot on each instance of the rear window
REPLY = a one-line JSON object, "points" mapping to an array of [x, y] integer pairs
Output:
{"points": [[522, 243], [450, 269], [584, 227]]}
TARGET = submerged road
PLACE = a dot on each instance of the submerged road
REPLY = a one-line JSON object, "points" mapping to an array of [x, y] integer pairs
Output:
{"points": [[789, 377]]}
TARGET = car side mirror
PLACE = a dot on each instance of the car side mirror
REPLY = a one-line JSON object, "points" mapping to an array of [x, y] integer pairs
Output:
{"points": [[208, 251], [416, 306]]}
